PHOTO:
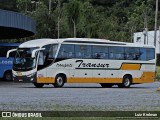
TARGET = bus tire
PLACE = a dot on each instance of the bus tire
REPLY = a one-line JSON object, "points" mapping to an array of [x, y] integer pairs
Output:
{"points": [[106, 85], [126, 83], [8, 76], [59, 81], [38, 85]]}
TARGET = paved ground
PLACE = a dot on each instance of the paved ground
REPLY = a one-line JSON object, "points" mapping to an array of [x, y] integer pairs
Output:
{"points": [[24, 96]]}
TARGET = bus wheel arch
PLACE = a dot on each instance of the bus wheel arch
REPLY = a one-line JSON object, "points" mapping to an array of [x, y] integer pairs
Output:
{"points": [[60, 79], [126, 82], [7, 75]]}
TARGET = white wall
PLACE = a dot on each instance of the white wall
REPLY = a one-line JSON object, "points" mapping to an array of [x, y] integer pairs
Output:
{"points": [[139, 39]]}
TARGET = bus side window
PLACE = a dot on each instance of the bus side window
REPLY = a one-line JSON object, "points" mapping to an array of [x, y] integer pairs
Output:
{"points": [[130, 53], [116, 53], [66, 51], [150, 53], [83, 51], [142, 54], [99, 52], [52, 50], [137, 54]]}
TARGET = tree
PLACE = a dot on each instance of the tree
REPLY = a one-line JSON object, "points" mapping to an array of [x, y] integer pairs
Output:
{"points": [[73, 10], [140, 17], [8, 5], [23, 5], [109, 19]]}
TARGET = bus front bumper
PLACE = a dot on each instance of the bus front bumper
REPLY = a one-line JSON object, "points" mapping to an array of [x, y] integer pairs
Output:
{"points": [[26, 79]]}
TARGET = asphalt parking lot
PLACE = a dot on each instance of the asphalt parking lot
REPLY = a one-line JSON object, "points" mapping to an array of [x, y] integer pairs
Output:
{"points": [[24, 97]]}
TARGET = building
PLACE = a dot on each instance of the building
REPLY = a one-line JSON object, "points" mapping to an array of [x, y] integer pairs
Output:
{"points": [[147, 38], [14, 25]]}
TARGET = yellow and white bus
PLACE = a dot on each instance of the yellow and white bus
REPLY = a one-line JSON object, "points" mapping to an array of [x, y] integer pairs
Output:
{"points": [[83, 60]]}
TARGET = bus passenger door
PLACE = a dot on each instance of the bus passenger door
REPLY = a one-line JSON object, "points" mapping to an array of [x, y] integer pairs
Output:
{"points": [[41, 70]]}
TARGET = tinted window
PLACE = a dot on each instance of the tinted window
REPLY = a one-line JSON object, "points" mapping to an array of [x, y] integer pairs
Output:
{"points": [[50, 50], [83, 51], [142, 54], [130, 53], [66, 51], [150, 53], [100, 52], [116, 53], [137, 54]]}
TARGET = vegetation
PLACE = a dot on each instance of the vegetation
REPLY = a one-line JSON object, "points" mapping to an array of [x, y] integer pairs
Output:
{"points": [[109, 19], [158, 73]]}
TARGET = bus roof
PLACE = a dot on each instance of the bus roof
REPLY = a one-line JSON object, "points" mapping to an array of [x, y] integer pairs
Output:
{"points": [[45, 41]]}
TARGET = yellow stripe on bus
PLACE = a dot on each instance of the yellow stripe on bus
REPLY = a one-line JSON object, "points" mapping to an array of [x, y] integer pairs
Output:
{"points": [[130, 67], [94, 80], [45, 80], [147, 77]]}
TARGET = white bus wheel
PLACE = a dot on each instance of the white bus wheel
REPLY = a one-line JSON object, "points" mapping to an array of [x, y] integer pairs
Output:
{"points": [[106, 85], [126, 83], [59, 81], [38, 85]]}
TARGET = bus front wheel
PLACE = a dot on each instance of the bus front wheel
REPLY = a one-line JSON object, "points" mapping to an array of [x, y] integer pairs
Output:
{"points": [[38, 85], [126, 83], [7, 76], [59, 81]]}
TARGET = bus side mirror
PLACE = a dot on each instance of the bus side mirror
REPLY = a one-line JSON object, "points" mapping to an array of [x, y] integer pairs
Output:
{"points": [[9, 51]]}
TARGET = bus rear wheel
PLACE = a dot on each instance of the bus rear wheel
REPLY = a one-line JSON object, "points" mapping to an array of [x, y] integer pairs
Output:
{"points": [[59, 81], [38, 85], [106, 85], [126, 83], [7, 76]]}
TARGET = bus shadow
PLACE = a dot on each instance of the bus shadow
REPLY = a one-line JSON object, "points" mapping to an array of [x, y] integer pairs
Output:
{"points": [[75, 87]]}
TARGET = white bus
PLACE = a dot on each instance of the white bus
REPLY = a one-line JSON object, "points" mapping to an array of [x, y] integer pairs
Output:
{"points": [[83, 60]]}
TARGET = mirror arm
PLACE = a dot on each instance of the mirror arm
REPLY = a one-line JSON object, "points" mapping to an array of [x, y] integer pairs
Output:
{"points": [[12, 50]]}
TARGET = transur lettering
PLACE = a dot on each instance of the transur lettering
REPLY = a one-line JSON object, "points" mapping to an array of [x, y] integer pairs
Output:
{"points": [[91, 65]]}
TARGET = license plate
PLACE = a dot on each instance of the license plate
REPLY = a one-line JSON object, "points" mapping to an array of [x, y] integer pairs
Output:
{"points": [[19, 74]]}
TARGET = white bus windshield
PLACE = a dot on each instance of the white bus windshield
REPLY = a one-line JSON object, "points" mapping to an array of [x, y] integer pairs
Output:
{"points": [[23, 59]]}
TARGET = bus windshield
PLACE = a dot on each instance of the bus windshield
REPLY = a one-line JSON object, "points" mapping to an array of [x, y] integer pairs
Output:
{"points": [[23, 59]]}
